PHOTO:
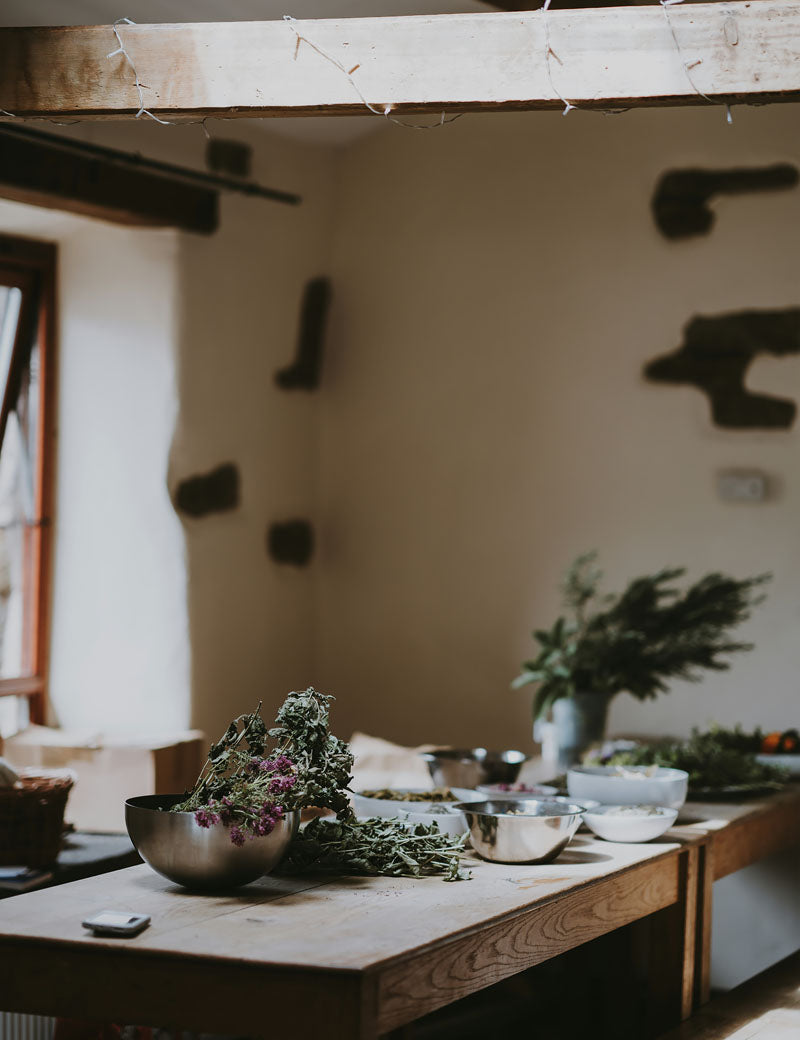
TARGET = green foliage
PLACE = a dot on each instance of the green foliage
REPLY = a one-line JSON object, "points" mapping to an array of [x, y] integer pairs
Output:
{"points": [[321, 763], [720, 758], [639, 640], [376, 846], [254, 776]]}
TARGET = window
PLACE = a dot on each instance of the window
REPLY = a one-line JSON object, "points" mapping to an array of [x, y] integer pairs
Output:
{"points": [[27, 322]]}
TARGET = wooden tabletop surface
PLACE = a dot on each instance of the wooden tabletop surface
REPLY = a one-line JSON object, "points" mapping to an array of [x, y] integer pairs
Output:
{"points": [[335, 923], [366, 955]]}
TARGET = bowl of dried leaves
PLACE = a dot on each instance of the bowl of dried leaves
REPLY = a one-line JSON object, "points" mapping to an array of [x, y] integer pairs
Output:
{"points": [[241, 819]]}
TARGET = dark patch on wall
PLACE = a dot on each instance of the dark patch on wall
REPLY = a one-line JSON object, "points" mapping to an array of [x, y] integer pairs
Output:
{"points": [[715, 355], [680, 203], [291, 542], [230, 157], [214, 492], [304, 372]]}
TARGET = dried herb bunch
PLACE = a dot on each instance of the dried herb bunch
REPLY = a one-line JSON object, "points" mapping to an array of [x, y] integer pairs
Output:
{"points": [[322, 761], [254, 776], [249, 789], [376, 846]]}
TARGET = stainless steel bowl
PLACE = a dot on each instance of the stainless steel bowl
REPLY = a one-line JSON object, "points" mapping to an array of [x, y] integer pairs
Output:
{"points": [[461, 767], [500, 832], [175, 846]]}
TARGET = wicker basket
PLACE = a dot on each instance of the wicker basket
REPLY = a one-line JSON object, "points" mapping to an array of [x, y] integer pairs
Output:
{"points": [[32, 817]]}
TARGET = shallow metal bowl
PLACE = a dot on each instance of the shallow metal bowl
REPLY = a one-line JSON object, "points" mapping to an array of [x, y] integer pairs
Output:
{"points": [[174, 845], [500, 832], [468, 767]]}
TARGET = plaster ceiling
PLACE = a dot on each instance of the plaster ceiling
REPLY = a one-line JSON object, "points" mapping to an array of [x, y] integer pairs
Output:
{"points": [[330, 130]]}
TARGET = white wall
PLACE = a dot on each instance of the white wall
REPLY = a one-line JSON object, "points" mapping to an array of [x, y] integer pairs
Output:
{"points": [[500, 286], [168, 345], [119, 655]]}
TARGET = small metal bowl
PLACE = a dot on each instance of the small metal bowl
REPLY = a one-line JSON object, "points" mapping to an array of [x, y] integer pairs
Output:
{"points": [[177, 848], [460, 767], [523, 831]]}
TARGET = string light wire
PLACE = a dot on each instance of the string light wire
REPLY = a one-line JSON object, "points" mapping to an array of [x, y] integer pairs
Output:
{"points": [[665, 6], [548, 53], [143, 110], [386, 111]]}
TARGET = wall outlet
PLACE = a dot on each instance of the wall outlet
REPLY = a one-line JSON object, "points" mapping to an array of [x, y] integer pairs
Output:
{"points": [[742, 485]]}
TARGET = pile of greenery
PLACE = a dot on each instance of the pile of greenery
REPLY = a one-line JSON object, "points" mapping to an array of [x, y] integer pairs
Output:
{"points": [[640, 639], [253, 777], [375, 847], [716, 760]]}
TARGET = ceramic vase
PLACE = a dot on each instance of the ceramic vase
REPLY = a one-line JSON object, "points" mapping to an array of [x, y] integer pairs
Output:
{"points": [[577, 723]]}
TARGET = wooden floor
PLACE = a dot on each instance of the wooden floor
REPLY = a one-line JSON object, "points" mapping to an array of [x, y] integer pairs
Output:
{"points": [[765, 1008]]}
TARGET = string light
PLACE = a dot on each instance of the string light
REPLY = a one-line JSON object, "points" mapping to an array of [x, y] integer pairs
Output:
{"points": [[665, 5], [143, 111], [386, 111], [548, 52]]}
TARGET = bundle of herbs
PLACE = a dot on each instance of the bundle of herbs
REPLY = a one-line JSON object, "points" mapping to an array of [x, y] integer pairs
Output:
{"points": [[376, 846], [254, 776], [719, 760]]}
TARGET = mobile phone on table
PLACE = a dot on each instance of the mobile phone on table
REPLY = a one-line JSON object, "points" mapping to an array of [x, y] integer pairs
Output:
{"points": [[117, 922]]}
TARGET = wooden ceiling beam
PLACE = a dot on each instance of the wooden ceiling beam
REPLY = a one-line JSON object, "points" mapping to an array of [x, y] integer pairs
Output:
{"points": [[736, 52]]}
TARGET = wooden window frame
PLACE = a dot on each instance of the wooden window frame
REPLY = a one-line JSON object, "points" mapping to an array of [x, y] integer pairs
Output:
{"points": [[32, 266]]}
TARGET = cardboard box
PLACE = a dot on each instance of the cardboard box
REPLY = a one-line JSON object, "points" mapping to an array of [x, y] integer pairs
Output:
{"points": [[110, 770]]}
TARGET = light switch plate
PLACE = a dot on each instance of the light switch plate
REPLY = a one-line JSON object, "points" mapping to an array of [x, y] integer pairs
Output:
{"points": [[742, 485]]}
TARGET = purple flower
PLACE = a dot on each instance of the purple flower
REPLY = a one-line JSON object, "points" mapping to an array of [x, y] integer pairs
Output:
{"points": [[281, 764], [237, 838], [203, 818], [262, 826]]}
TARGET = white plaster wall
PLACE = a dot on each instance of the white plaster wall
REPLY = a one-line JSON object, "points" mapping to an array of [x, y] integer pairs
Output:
{"points": [[169, 344], [501, 285], [237, 295], [120, 654]]}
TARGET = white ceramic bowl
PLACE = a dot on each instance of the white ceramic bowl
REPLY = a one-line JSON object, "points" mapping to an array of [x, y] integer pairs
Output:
{"points": [[609, 823], [604, 784], [450, 821]]}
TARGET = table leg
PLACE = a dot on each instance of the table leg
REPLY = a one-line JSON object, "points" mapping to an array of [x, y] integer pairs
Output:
{"points": [[666, 944], [705, 890]]}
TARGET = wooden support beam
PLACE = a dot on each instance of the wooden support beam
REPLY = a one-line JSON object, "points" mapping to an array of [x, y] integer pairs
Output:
{"points": [[44, 174], [738, 52]]}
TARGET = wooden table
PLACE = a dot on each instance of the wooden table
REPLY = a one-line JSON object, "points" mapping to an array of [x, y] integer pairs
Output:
{"points": [[355, 958], [729, 837]]}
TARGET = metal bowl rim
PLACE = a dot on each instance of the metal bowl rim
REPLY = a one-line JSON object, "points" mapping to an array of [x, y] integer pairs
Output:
{"points": [[480, 755], [562, 809], [158, 810]]}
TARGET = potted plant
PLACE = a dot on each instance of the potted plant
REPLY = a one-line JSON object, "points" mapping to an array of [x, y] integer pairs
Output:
{"points": [[637, 641]]}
